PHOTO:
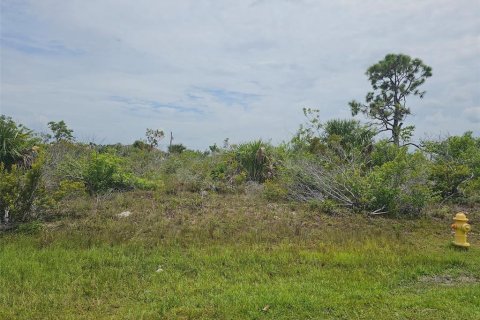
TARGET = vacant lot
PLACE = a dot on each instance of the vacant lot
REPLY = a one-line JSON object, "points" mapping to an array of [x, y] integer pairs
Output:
{"points": [[234, 257]]}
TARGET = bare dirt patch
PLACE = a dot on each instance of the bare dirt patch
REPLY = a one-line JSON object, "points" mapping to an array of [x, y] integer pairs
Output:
{"points": [[449, 280]]}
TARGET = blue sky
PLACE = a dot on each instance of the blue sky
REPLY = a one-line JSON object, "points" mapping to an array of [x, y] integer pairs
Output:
{"points": [[210, 70]]}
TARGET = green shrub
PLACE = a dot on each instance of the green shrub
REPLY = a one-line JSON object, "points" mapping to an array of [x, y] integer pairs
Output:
{"points": [[274, 190], [226, 169], [188, 171], [69, 189], [31, 227], [139, 144], [456, 167], [102, 172], [383, 152], [22, 192], [176, 148], [257, 159], [15, 141], [144, 163], [346, 137], [399, 186], [324, 206]]}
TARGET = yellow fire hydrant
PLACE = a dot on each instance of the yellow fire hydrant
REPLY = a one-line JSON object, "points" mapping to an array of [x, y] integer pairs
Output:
{"points": [[461, 228]]}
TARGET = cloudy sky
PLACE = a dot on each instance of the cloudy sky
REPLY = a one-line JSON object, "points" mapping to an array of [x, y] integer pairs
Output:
{"points": [[241, 69]]}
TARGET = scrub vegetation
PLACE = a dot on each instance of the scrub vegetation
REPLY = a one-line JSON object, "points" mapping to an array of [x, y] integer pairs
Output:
{"points": [[340, 222]]}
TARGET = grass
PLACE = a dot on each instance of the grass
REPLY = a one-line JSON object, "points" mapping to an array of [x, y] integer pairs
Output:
{"points": [[234, 257]]}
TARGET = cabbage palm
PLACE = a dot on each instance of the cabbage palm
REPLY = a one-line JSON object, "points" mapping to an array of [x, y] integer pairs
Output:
{"points": [[14, 140]]}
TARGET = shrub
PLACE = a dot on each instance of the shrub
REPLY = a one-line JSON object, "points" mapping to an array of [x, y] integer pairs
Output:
{"points": [[349, 134], [344, 136], [188, 171], [22, 192], [324, 176], [31, 227], [275, 190], [326, 206], [104, 172], [144, 163], [15, 141], [456, 166], [257, 159], [176, 148], [101, 172], [139, 144], [383, 152], [69, 189], [397, 187]]}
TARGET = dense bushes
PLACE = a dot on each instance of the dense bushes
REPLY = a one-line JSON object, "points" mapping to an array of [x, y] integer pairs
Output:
{"points": [[22, 192], [331, 165], [256, 159], [455, 170], [399, 186], [101, 172], [104, 172], [187, 171], [396, 186], [222, 171], [16, 142]]}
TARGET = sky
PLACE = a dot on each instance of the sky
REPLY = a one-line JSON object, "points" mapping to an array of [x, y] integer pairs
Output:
{"points": [[208, 70]]}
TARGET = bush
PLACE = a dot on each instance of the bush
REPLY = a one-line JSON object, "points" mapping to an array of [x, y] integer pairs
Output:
{"points": [[346, 137], [187, 171], [309, 179], [102, 172], [22, 192], [69, 189], [176, 148], [32, 227], [398, 187], [144, 163], [274, 190], [256, 159], [456, 167], [383, 152], [141, 145], [15, 142]]}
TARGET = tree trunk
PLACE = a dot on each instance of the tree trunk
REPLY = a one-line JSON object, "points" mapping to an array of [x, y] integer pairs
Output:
{"points": [[396, 134], [396, 122]]}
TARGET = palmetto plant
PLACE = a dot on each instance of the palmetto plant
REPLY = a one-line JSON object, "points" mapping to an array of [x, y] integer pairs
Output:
{"points": [[14, 140], [256, 159]]}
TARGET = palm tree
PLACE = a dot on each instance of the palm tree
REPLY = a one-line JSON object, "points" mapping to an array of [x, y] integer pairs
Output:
{"points": [[15, 139]]}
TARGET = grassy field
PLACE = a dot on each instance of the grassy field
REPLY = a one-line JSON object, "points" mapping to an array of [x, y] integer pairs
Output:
{"points": [[235, 257]]}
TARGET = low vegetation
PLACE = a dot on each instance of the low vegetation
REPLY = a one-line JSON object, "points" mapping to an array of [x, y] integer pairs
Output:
{"points": [[339, 222], [234, 256]]}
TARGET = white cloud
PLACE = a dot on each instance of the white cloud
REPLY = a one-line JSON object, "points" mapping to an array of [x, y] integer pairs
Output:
{"points": [[472, 114], [287, 54]]}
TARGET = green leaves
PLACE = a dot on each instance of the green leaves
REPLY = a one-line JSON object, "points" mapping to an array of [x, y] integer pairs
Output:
{"points": [[256, 159], [456, 166], [99, 172], [393, 79], [60, 131], [15, 139], [154, 137], [21, 191]]}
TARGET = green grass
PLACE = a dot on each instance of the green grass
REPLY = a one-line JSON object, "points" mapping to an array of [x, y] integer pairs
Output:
{"points": [[234, 257]]}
